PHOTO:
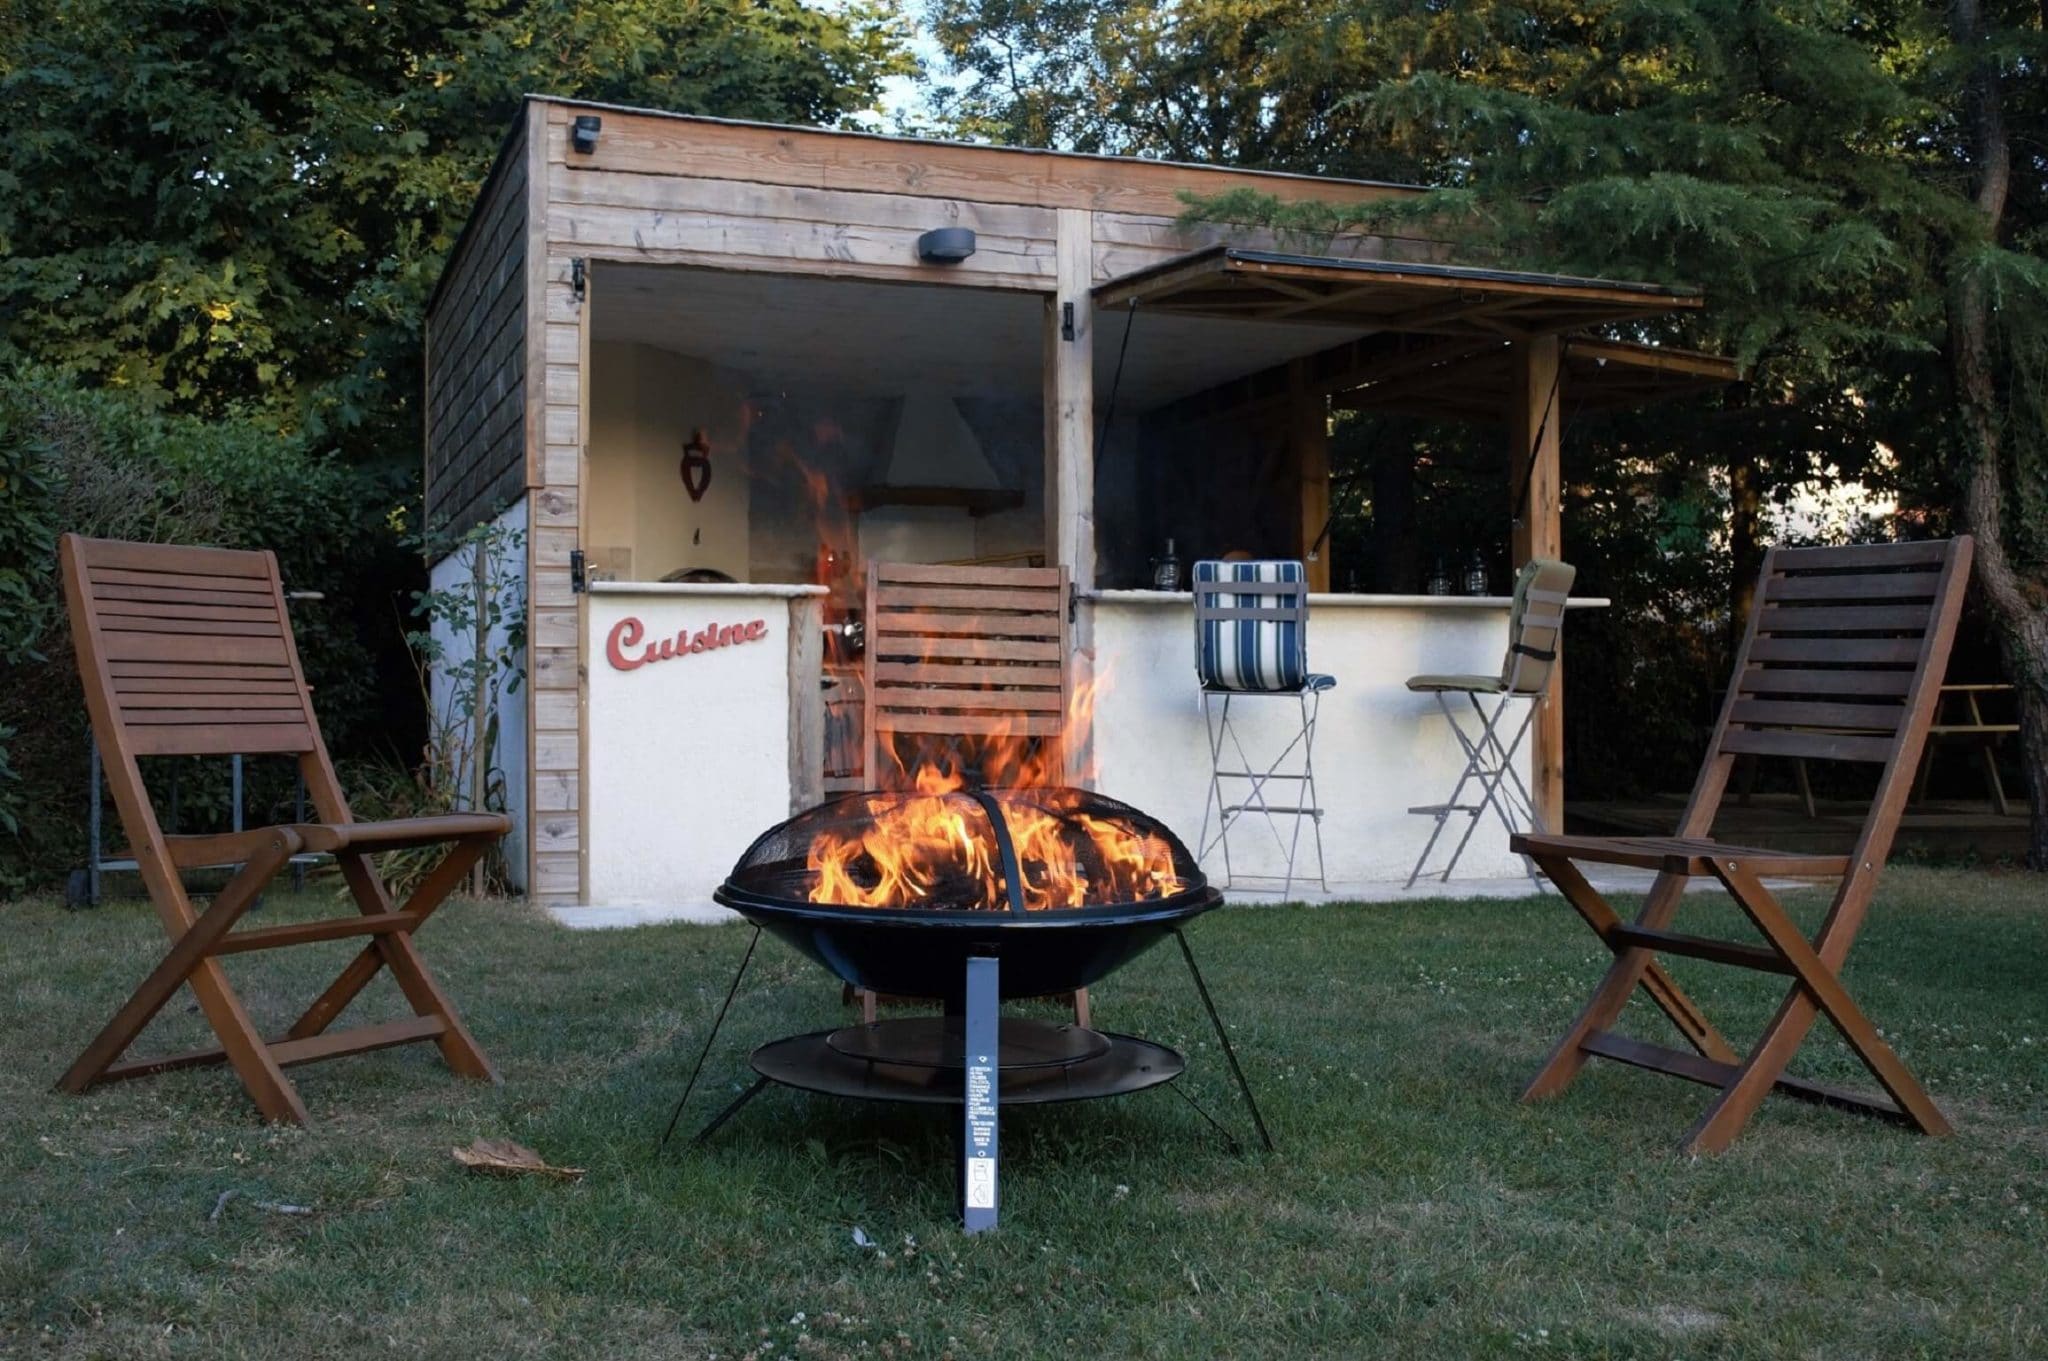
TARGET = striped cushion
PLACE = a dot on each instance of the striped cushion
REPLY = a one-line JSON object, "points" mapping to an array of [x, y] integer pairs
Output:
{"points": [[1250, 654]]}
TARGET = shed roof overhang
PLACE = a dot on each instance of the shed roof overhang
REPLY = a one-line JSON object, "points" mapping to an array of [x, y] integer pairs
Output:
{"points": [[1380, 296], [1449, 380]]}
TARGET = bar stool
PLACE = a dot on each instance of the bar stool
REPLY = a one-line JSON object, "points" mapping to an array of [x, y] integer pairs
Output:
{"points": [[1251, 642], [1535, 627]]}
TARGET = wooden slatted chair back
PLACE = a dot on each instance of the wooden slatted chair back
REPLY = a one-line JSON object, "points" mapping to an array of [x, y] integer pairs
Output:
{"points": [[1842, 661], [187, 652], [188, 649], [969, 653]]}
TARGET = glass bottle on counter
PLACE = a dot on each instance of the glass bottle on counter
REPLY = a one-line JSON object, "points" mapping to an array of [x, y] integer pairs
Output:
{"points": [[1439, 582], [1475, 574], [1166, 570]]}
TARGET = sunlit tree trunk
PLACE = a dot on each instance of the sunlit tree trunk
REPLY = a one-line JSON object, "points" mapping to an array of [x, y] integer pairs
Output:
{"points": [[2018, 604]]}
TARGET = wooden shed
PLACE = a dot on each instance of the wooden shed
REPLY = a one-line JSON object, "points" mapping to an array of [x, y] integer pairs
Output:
{"points": [[699, 365]]}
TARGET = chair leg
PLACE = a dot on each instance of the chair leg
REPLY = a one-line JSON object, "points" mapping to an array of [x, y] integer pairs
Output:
{"points": [[1818, 990], [396, 952], [1633, 967], [189, 961]]}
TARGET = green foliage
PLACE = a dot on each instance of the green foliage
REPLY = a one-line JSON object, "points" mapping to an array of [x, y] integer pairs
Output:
{"points": [[240, 205], [109, 465], [1806, 165]]}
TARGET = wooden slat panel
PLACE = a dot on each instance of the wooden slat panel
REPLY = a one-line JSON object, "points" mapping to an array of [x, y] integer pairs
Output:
{"points": [[360, 1040], [114, 625], [163, 670], [969, 725], [1698, 947], [1855, 586], [247, 711], [967, 673], [962, 598], [174, 607], [1845, 650], [968, 625], [1759, 680], [112, 585], [152, 701], [126, 687], [974, 649], [1863, 555], [172, 647], [108, 554], [1812, 746], [1843, 618], [303, 933], [220, 740], [1020, 577], [1815, 714], [1030, 701]]}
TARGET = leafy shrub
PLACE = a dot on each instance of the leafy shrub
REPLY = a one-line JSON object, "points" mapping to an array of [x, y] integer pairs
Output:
{"points": [[104, 463]]}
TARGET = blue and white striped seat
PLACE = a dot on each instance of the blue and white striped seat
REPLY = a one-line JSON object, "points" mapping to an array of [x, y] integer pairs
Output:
{"points": [[1252, 638]]}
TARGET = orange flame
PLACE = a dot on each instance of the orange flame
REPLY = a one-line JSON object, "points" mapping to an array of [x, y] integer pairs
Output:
{"points": [[934, 848]]}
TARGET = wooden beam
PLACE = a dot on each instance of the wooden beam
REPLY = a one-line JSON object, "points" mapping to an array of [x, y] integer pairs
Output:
{"points": [[1535, 411], [1070, 404], [1308, 441]]}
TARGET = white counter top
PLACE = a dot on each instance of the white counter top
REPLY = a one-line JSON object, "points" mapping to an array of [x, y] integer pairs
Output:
{"points": [[773, 590], [1320, 601]]}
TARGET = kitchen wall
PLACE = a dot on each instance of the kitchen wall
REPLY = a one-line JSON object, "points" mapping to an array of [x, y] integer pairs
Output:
{"points": [[640, 523]]}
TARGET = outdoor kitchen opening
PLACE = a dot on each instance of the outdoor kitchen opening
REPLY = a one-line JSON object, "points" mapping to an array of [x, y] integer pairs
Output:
{"points": [[777, 429]]}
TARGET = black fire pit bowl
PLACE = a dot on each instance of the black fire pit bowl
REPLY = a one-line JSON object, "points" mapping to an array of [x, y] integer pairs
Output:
{"points": [[922, 950]]}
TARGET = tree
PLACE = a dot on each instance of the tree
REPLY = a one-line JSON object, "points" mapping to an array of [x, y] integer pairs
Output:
{"points": [[1839, 179], [235, 206]]}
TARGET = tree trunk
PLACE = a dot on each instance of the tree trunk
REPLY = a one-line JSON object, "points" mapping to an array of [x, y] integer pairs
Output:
{"points": [[2018, 606], [1745, 550]]}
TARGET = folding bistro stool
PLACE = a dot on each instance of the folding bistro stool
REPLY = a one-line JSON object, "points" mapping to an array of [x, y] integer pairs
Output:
{"points": [[188, 652], [1842, 661], [1251, 642], [1535, 626]]}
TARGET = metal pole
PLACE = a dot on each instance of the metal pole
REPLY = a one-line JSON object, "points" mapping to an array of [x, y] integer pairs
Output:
{"points": [[92, 822], [1228, 1052], [982, 1095], [690, 1086]]}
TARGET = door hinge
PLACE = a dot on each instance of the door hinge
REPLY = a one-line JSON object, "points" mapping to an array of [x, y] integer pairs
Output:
{"points": [[578, 581], [579, 278], [1066, 321]]}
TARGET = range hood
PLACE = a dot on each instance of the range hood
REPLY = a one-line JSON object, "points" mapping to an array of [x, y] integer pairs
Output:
{"points": [[935, 460]]}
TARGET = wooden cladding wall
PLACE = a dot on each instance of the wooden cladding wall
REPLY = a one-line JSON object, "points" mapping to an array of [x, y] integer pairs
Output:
{"points": [[476, 359]]}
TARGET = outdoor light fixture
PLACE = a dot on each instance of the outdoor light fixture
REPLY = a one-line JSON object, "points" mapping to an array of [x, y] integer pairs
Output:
{"points": [[946, 245], [583, 133]]}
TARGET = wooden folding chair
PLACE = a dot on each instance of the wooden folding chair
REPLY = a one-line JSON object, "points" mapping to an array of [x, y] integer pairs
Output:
{"points": [[188, 652], [965, 654], [1842, 661]]}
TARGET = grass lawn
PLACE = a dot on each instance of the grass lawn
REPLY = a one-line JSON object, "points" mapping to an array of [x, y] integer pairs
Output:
{"points": [[1414, 1208]]}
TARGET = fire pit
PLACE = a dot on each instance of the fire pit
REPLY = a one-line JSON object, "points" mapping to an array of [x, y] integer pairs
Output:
{"points": [[969, 896]]}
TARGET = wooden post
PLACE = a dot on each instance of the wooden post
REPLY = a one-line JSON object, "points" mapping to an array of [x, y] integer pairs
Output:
{"points": [[1070, 403], [1308, 438], [1536, 410]]}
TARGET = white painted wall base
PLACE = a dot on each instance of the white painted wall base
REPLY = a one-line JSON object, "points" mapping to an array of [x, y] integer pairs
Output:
{"points": [[1380, 748], [689, 756]]}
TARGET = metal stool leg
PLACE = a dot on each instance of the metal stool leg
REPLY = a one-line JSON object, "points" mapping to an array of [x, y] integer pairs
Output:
{"points": [[1306, 804]]}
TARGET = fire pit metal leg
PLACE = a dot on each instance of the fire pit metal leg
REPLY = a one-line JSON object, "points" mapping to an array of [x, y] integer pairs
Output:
{"points": [[1222, 1036], [978, 1134], [702, 1054]]}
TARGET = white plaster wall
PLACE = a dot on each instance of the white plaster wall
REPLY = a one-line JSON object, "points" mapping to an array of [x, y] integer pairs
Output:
{"points": [[645, 404], [1379, 748], [452, 573], [689, 758]]}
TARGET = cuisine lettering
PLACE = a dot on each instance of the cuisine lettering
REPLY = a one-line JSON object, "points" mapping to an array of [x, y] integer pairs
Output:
{"points": [[626, 636]]}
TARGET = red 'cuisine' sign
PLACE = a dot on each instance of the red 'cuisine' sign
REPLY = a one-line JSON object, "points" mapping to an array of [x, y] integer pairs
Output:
{"points": [[628, 632]]}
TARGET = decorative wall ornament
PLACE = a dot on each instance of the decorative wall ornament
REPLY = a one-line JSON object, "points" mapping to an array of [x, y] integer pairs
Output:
{"points": [[696, 465]]}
